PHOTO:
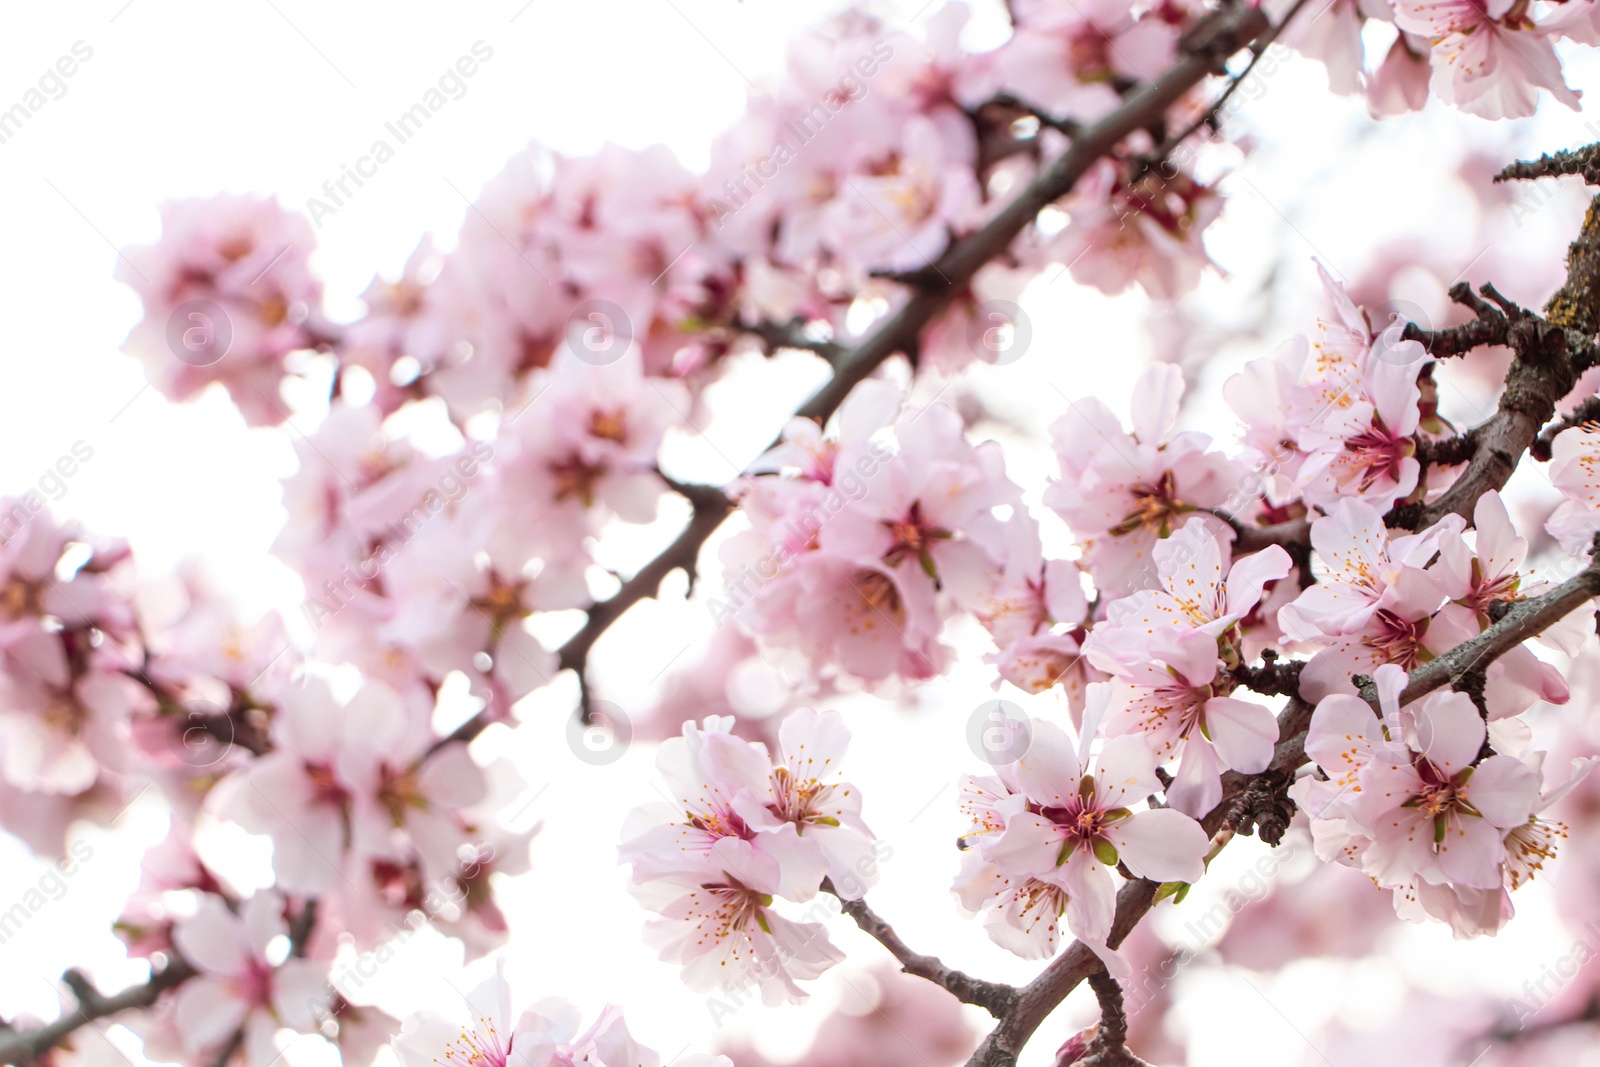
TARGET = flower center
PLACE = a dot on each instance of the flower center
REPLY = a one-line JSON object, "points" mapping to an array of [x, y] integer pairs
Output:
{"points": [[1153, 507]]}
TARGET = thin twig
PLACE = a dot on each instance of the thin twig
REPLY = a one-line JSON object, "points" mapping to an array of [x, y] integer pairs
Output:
{"points": [[994, 997]]}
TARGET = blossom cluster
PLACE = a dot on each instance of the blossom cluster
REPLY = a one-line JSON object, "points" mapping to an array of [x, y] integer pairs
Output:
{"points": [[745, 828], [1048, 831], [1411, 800], [478, 439], [870, 550]]}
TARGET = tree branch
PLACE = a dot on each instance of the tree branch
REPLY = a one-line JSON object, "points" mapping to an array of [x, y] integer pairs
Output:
{"points": [[792, 335], [1251, 538], [1540, 375], [1584, 161], [25, 1046], [994, 997], [1109, 1046], [1522, 620]]}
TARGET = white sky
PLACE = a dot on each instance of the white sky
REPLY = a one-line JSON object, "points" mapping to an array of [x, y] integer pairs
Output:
{"points": [[274, 96]]}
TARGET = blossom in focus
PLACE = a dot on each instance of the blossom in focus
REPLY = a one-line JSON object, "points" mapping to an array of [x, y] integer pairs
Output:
{"points": [[1489, 58], [1067, 823], [1122, 491]]}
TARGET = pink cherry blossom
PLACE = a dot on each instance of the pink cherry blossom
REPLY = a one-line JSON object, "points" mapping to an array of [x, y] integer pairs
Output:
{"points": [[716, 919], [1487, 572], [1448, 813], [1022, 914], [812, 824], [247, 981], [787, 810], [1360, 436], [596, 459], [1077, 825], [1575, 471], [1193, 596], [1175, 697], [1488, 57], [1410, 795], [1367, 571], [1036, 611], [546, 1034], [863, 569], [301, 794], [1122, 491], [1400, 84], [1146, 229], [1336, 415]]}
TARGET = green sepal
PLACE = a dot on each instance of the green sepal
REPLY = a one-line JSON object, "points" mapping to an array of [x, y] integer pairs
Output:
{"points": [[1176, 890]]}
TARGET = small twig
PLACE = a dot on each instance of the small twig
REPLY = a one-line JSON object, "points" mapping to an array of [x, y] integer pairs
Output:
{"points": [[231, 1046], [300, 929], [1488, 328], [1512, 310], [994, 997], [1523, 619], [1583, 161], [792, 335], [1586, 411], [711, 505], [1295, 532], [1209, 116]]}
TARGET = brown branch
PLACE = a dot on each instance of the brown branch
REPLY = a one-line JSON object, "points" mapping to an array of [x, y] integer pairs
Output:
{"points": [[1252, 538], [1521, 620], [792, 335], [1447, 451], [710, 506], [1273, 678], [1540, 375], [1488, 328], [1209, 117], [1583, 161], [994, 997], [25, 1046], [1109, 1045]]}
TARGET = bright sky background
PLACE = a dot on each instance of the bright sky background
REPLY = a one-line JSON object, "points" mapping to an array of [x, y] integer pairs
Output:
{"points": [[275, 96]]}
